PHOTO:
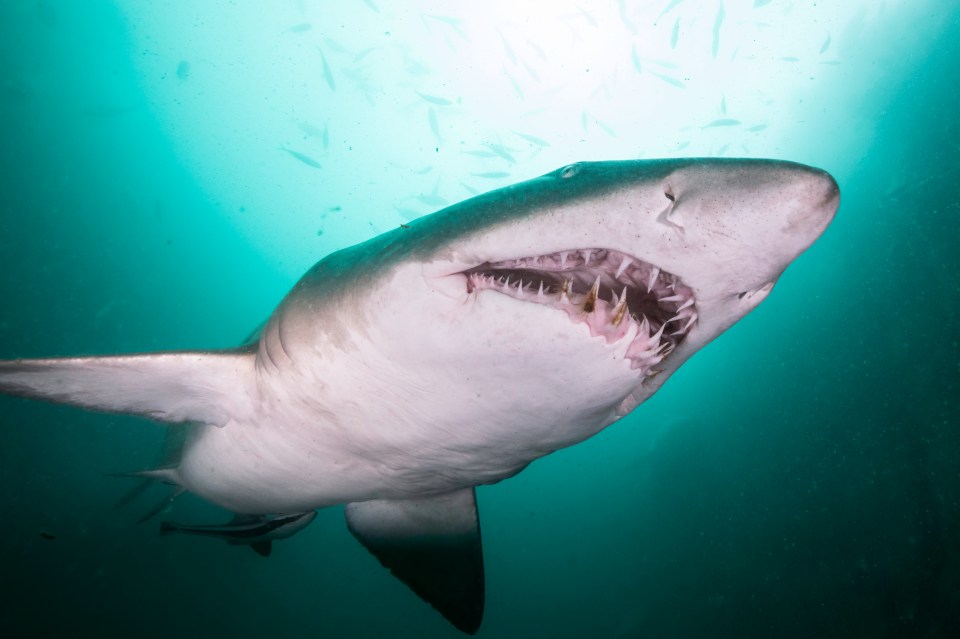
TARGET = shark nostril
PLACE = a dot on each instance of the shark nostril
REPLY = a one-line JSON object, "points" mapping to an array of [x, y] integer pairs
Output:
{"points": [[672, 218]]}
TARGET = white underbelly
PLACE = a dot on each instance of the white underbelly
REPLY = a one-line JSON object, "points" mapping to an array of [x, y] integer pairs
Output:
{"points": [[303, 464]]}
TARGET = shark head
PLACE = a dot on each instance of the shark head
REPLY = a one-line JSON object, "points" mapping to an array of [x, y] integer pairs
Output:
{"points": [[546, 310]]}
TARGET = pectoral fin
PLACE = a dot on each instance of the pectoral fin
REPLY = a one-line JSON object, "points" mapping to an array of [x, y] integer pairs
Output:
{"points": [[207, 387], [432, 545]]}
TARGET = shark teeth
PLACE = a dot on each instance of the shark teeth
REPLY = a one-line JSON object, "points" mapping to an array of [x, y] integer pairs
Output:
{"points": [[617, 296]]}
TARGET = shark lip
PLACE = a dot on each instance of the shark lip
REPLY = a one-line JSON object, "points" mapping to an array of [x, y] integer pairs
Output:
{"points": [[618, 296]]}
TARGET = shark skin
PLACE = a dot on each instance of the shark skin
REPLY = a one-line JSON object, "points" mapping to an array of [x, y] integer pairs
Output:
{"points": [[399, 374]]}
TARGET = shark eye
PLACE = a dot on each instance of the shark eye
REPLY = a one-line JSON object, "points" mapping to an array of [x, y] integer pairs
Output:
{"points": [[569, 171]]}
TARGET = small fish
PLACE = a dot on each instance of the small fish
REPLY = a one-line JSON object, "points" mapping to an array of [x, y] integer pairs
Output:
{"points": [[666, 64], [538, 50], [414, 66], [717, 23], [606, 128], [502, 151], [721, 122], [303, 27], [826, 44], [516, 85], [624, 19], [636, 59], [491, 175], [759, 3], [432, 99], [757, 127], [669, 8], [308, 128], [47, 536], [327, 71], [336, 46], [363, 54], [370, 4], [506, 47], [432, 200], [306, 159], [481, 154], [256, 531], [532, 139], [422, 171], [183, 70], [589, 18], [669, 80], [675, 35], [470, 189], [434, 124], [723, 103], [453, 23], [530, 70]]}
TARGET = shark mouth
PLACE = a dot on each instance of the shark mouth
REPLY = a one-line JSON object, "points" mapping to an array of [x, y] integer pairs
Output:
{"points": [[617, 296]]}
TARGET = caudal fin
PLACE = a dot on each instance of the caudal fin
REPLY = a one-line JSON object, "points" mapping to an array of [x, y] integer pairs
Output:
{"points": [[205, 387]]}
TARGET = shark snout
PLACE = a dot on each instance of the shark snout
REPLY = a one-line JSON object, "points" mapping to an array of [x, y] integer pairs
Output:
{"points": [[818, 196], [823, 190]]}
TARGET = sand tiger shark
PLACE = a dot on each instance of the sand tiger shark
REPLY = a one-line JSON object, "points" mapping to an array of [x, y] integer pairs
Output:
{"points": [[399, 374]]}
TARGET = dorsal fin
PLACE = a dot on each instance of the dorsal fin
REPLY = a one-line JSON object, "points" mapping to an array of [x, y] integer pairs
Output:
{"points": [[431, 544], [206, 387]]}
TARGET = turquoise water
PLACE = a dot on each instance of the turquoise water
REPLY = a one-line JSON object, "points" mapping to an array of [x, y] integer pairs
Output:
{"points": [[798, 477]]}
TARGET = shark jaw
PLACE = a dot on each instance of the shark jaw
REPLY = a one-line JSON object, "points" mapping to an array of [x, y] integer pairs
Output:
{"points": [[617, 296]]}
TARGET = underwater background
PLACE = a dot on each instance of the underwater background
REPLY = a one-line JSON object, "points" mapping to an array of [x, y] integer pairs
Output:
{"points": [[170, 168]]}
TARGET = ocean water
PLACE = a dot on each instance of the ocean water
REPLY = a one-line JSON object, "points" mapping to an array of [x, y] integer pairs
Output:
{"points": [[169, 169]]}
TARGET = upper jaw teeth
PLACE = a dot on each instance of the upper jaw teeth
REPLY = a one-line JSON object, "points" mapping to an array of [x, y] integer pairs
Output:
{"points": [[601, 288]]}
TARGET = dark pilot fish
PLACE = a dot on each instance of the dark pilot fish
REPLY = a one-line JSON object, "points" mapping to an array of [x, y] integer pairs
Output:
{"points": [[256, 531]]}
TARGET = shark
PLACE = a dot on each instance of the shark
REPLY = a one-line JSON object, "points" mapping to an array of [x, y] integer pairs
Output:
{"points": [[400, 374]]}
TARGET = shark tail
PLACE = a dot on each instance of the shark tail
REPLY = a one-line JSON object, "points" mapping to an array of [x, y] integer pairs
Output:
{"points": [[174, 387]]}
